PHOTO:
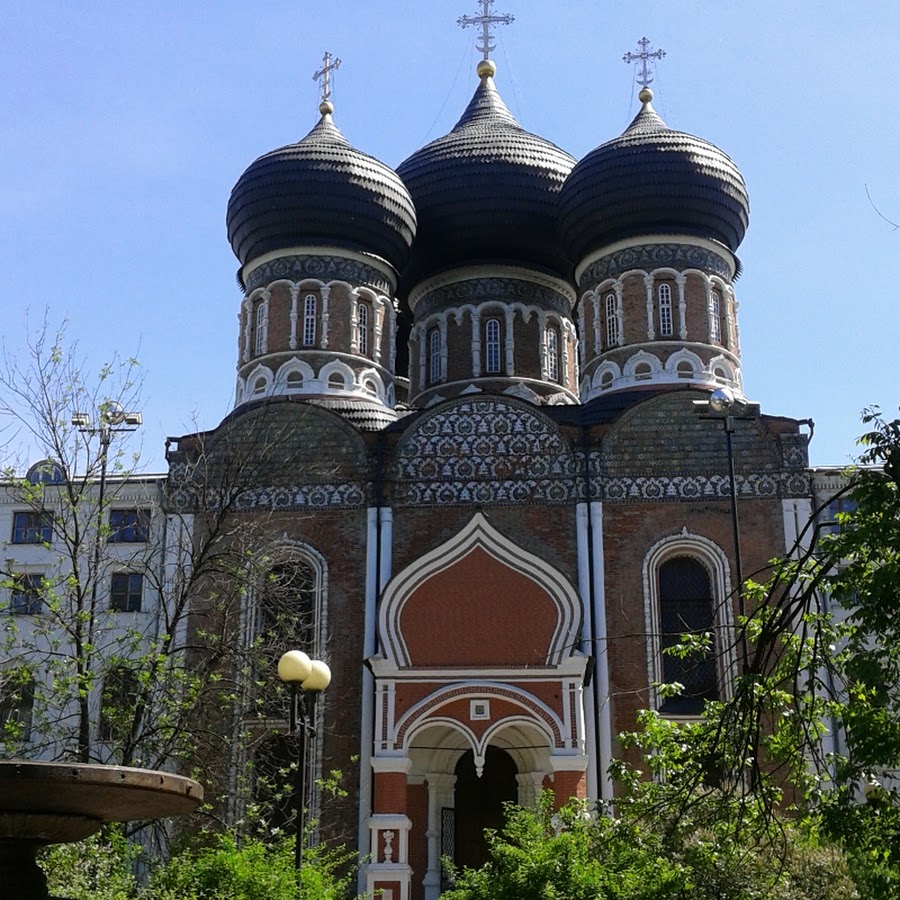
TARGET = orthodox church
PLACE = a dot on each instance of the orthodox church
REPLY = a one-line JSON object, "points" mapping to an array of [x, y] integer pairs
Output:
{"points": [[485, 366]]}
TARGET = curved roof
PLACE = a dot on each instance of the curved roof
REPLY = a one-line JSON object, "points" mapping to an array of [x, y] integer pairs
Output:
{"points": [[321, 191], [652, 179], [487, 192]]}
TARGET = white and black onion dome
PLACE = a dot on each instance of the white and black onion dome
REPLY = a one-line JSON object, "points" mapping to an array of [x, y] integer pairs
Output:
{"points": [[487, 192], [321, 191], [652, 179]]}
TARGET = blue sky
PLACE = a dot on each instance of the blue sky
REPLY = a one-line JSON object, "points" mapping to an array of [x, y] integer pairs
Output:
{"points": [[126, 125]]}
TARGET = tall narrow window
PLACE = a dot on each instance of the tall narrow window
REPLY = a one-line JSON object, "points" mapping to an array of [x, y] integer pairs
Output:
{"points": [[261, 335], [552, 342], [665, 310], [612, 321], [362, 328], [26, 595], [125, 592], [434, 356], [492, 345], [16, 705], [309, 320], [686, 606], [715, 317]]}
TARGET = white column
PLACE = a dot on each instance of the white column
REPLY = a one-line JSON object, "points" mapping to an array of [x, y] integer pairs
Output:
{"points": [[709, 311], [564, 338], [440, 795], [476, 343], [601, 669], [648, 284], [587, 646], [530, 786], [295, 291], [392, 337], [682, 307], [379, 311], [248, 325], [620, 315], [542, 345], [598, 346], [354, 323], [423, 346], [510, 342], [728, 300], [326, 291], [387, 546], [442, 326]]}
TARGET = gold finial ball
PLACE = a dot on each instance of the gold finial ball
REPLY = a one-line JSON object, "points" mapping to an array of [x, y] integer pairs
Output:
{"points": [[646, 95], [487, 68], [326, 107]]}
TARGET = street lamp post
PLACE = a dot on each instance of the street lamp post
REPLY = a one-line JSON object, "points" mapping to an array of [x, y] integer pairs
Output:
{"points": [[306, 678], [112, 418], [724, 407]]}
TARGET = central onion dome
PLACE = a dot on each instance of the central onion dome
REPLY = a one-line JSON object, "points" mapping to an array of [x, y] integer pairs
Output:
{"points": [[321, 192], [487, 192], [649, 180]]}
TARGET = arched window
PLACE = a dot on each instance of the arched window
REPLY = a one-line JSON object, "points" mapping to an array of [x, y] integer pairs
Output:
{"points": [[686, 607], [259, 386], [642, 371], [309, 320], [715, 317], [492, 346], [606, 379], [336, 381], [294, 381], [261, 330], [664, 293], [685, 369], [362, 328], [552, 343], [612, 321], [434, 356]]}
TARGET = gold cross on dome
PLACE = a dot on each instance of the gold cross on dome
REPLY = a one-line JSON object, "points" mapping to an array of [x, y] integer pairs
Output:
{"points": [[329, 65], [487, 20], [643, 56]]}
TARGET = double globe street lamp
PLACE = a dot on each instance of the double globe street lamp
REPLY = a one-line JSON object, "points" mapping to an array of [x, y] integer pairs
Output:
{"points": [[307, 678]]}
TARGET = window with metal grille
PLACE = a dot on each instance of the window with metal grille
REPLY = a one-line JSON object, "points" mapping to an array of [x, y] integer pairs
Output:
{"points": [[309, 320], [126, 591], [32, 527], [715, 317], [26, 597], [16, 704], [362, 327], [612, 321], [664, 294], [686, 606], [434, 356], [492, 345], [129, 526], [118, 699], [552, 354], [261, 328]]}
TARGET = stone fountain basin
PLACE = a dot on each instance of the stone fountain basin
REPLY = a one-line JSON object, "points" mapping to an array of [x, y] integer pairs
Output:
{"points": [[51, 803]]}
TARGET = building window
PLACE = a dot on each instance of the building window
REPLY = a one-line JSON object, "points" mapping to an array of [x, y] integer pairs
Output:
{"points": [[362, 328], [126, 590], [32, 527], [26, 595], [434, 356], [309, 320], [492, 346], [686, 606], [294, 381], [664, 294], [642, 372], [552, 342], [715, 317], [612, 321], [336, 382], [118, 698], [16, 704], [129, 526], [260, 385], [261, 328]]}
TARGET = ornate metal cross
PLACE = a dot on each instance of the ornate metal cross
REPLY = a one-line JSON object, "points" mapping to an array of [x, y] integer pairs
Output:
{"points": [[643, 56], [486, 20], [329, 65]]}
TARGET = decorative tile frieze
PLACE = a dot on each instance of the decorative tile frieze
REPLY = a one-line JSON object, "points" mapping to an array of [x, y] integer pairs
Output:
{"points": [[698, 487], [795, 452], [484, 290], [322, 268], [652, 256], [183, 498]]}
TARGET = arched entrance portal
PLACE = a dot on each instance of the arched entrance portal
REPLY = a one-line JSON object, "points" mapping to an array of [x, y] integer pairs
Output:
{"points": [[479, 803]]}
